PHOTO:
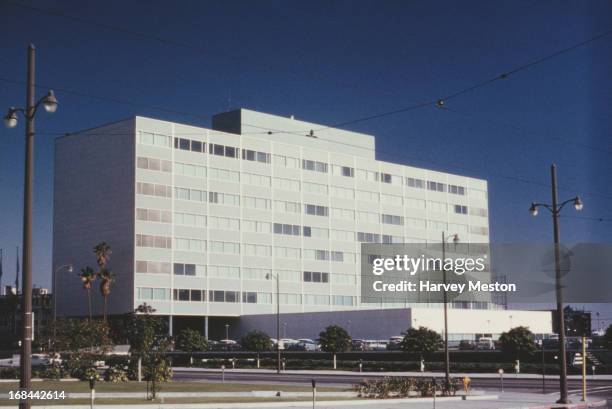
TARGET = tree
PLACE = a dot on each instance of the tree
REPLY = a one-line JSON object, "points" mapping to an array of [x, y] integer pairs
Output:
{"points": [[608, 337], [517, 342], [335, 339], [149, 344], [103, 251], [256, 341], [421, 340], [88, 276], [190, 340], [107, 277]]}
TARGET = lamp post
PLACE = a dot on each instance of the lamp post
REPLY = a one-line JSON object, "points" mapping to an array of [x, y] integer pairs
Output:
{"points": [[69, 269], [555, 209], [49, 102], [226, 331], [271, 276], [445, 239]]}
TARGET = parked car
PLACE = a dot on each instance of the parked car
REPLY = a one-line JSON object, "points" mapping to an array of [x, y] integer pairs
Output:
{"points": [[37, 360], [466, 345], [486, 344], [395, 343], [224, 345]]}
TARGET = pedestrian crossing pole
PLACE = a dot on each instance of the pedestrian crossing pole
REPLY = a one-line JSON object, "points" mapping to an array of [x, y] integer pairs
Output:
{"points": [[584, 369]]}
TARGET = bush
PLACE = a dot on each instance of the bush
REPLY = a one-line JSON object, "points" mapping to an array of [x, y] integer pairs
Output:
{"points": [[9, 373], [55, 371], [400, 387], [116, 374]]}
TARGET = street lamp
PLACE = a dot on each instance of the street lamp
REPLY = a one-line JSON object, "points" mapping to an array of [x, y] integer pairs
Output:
{"points": [[555, 209], [49, 103], [445, 239], [69, 269], [271, 276], [226, 331]]}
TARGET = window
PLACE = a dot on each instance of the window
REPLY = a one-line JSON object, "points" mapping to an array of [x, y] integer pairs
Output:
{"points": [[188, 219], [184, 144], [438, 207], [367, 195], [256, 250], [255, 180], [256, 226], [337, 256], [460, 209], [153, 215], [287, 184], [288, 252], [391, 219], [148, 138], [224, 247], [480, 230], [343, 300], [415, 203], [145, 240], [348, 172], [186, 244], [316, 277], [186, 269], [368, 237], [287, 229], [195, 195], [392, 199], [154, 164], [385, 177], [370, 217], [186, 169], [436, 186], [456, 190], [255, 156], [314, 165], [144, 293], [250, 273], [224, 175], [315, 188], [415, 183], [342, 192], [289, 207], [257, 202], [224, 199], [415, 223], [249, 297], [286, 161], [388, 239], [347, 214], [223, 223], [312, 299], [477, 211], [232, 272], [152, 267], [343, 235], [151, 189], [368, 175], [316, 210]]}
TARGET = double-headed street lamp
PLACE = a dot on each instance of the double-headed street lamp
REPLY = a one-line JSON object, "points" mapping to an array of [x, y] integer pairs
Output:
{"points": [[49, 103], [271, 276], [446, 239], [69, 269], [555, 209]]}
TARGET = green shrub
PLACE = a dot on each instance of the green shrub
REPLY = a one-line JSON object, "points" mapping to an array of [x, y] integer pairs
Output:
{"points": [[402, 387], [9, 373], [116, 374]]}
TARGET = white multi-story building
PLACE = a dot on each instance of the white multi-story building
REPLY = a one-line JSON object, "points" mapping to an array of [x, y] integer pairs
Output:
{"points": [[202, 221]]}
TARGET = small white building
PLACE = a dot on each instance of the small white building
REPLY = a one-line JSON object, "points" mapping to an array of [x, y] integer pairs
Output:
{"points": [[200, 221]]}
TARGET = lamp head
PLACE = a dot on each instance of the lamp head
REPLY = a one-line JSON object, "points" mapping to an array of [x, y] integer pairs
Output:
{"points": [[50, 102], [533, 209], [455, 238], [10, 119], [578, 205]]}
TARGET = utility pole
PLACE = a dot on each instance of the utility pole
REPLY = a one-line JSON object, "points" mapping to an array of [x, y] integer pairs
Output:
{"points": [[49, 102]]}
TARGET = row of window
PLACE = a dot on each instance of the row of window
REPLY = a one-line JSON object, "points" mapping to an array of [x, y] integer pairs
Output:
{"points": [[263, 157], [248, 297]]}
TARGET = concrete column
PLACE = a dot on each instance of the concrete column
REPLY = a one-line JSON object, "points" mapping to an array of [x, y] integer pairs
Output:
{"points": [[206, 327], [170, 325]]}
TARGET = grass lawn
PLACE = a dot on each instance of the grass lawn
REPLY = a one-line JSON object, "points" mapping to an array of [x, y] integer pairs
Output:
{"points": [[179, 386]]}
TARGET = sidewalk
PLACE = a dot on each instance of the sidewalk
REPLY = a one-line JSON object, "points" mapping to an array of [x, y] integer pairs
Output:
{"points": [[504, 401], [412, 374]]}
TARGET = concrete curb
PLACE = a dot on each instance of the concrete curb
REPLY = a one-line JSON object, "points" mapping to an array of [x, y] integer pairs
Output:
{"points": [[413, 374], [581, 405], [365, 402]]}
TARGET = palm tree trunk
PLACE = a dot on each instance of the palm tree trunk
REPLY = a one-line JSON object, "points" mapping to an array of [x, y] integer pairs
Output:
{"points": [[89, 300], [105, 307]]}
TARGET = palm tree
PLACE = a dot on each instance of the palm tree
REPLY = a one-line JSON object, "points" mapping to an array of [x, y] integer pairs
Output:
{"points": [[103, 252], [88, 276], [107, 277]]}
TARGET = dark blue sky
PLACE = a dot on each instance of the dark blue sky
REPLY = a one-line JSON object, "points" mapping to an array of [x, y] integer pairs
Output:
{"points": [[328, 62]]}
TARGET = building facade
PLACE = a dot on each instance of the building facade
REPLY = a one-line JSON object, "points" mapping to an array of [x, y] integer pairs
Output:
{"points": [[203, 221]]}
